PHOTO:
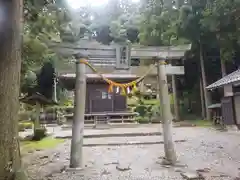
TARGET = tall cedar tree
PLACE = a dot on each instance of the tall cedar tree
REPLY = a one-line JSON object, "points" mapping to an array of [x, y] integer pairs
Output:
{"points": [[10, 65]]}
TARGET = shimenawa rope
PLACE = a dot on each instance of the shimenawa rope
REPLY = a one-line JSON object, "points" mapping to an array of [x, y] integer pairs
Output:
{"points": [[113, 84]]}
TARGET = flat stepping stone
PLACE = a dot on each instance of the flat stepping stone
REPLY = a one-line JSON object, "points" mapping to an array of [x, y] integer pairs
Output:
{"points": [[123, 167], [204, 170], [192, 176]]}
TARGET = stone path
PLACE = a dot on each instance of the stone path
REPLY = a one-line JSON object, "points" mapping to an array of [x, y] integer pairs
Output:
{"points": [[214, 154], [143, 129], [57, 131]]}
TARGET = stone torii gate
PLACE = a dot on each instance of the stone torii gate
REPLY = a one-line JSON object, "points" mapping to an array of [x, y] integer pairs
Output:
{"points": [[117, 56]]}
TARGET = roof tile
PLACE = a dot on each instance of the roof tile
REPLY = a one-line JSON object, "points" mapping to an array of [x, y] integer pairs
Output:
{"points": [[228, 79]]}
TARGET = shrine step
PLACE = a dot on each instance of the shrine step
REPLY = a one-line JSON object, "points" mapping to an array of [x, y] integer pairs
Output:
{"points": [[109, 125]]}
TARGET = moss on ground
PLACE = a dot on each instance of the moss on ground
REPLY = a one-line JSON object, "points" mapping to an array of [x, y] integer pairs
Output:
{"points": [[24, 125], [46, 143], [200, 123]]}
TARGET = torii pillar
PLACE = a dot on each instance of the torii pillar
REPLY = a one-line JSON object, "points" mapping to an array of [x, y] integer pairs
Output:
{"points": [[76, 157]]}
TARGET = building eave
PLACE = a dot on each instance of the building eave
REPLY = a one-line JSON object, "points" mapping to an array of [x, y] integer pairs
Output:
{"points": [[229, 79]]}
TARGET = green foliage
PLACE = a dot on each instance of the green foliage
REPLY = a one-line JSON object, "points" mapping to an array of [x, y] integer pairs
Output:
{"points": [[199, 123], [138, 94], [211, 24], [156, 111], [68, 103], [222, 19], [29, 82], [142, 120], [145, 111], [40, 23], [129, 95], [159, 24], [141, 110], [149, 111], [45, 80]]}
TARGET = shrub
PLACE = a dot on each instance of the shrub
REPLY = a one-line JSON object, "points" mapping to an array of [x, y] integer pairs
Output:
{"points": [[149, 111], [149, 108], [129, 95], [147, 96], [39, 134], [142, 120], [156, 110], [69, 102], [141, 110], [138, 94]]}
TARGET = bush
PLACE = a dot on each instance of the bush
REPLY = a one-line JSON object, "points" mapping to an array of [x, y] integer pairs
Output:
{"points": [[39, 134], [142, 120], [147, 96], [69, 102], [129, 95], [156, 110], [156, 114], [138, 94], [141, 110], [149, 111]]}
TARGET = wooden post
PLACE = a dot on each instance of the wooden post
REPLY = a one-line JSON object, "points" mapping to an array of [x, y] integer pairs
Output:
{"points": [[37, 116], [170, 154], [204, 84], [76, 160], [175, 98]]}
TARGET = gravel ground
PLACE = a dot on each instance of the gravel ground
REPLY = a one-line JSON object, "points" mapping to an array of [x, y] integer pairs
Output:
{"points": [[215, 152]]}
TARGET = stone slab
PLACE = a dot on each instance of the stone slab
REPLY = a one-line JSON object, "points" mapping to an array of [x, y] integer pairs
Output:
{"points": [[192, 175]]}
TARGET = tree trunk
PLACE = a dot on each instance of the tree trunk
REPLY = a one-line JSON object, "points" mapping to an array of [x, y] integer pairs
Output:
{"points": [[205, 92], [203, 110], [223, 70], [175, 98], [10, 65], [170, 154], [55, 89]]}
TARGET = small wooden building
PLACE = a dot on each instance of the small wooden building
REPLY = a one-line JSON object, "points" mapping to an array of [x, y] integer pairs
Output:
{"points": [[98, 100], [230, 103]]}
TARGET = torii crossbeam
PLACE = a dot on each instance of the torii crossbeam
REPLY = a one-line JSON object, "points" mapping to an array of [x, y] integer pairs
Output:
{"points": [[117, 55]]}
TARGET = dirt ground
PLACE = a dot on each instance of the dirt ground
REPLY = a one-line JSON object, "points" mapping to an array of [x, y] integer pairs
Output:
{"points": [[216, 155]]}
